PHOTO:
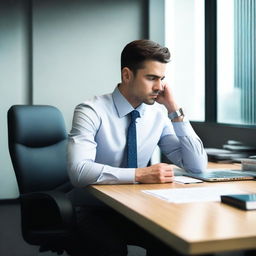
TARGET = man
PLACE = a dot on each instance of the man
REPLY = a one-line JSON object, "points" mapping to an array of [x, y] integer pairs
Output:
{"points": [[99, 151]]}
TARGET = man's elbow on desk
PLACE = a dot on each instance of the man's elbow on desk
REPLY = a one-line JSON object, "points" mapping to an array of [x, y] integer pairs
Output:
{"points": [[77, 182], [81, 175], [199, 165]]}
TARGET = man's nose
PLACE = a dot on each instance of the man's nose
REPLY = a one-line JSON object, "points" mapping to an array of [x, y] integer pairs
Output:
{"points": [[158, 86]]}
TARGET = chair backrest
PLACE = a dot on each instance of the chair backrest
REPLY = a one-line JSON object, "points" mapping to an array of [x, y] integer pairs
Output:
{"points": [[37, 144]]}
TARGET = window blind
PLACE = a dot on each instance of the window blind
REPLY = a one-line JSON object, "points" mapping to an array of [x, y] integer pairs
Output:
{"points": [[245, 57]]}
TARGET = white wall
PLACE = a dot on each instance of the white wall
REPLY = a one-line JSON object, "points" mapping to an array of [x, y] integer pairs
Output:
{"points": [[13, 82], [76, 48]]}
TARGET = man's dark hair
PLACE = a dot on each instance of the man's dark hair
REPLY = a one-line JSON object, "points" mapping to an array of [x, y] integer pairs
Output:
{"points": [[138, 51]]}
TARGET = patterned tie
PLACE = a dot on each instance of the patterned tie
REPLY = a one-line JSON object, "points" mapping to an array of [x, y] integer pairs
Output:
{"points": [[132, 141]]}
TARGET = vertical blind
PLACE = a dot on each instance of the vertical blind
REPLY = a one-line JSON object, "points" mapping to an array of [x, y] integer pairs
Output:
{"points": [[245, 57]]}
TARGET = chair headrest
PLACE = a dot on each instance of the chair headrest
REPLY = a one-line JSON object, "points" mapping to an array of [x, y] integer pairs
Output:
{"points": [[36, 125]]}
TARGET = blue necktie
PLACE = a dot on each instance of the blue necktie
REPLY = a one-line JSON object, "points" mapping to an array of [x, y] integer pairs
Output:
{"points": [[132, 141]]}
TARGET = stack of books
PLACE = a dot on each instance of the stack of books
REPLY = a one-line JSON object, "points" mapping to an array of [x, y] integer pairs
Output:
{"points": [[249, 164], [232, 151]]}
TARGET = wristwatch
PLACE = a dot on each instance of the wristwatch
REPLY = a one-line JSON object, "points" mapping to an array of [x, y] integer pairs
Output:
{"points": [[176, 114]]}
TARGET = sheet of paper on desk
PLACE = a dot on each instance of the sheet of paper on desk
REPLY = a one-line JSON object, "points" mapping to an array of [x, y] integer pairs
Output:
{"points": [[189, 195]]}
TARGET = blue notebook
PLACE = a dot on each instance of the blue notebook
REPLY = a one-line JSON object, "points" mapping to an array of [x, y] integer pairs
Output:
{"points": [[242, 201]]}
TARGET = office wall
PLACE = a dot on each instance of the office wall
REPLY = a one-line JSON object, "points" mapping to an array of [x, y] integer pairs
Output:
{"points": [[61, 53], [77, 46], [13, 81]]}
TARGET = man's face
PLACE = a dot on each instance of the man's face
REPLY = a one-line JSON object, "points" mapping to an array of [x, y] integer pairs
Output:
{"points": [[146, 84]]}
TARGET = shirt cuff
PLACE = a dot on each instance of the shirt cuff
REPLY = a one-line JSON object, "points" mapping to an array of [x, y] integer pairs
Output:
{"points": [[115, 175], [126, 175]]}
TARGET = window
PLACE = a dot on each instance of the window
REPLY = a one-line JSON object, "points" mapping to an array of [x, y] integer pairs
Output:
{"points": [[184, 33], [218, 86], [215, 41], [236, 62]]}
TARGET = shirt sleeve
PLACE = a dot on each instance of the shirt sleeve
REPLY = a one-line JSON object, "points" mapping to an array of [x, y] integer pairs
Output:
{"points": [[183, 147], [81, 153]]}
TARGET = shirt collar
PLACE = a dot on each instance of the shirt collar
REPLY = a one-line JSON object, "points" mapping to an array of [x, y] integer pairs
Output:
{"points": [[122, 105]]}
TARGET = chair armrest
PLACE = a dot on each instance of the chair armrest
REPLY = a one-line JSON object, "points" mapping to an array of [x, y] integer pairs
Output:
{"points": [[44, 214]]}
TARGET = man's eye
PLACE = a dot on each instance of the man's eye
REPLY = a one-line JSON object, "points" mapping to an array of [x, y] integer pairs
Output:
{"points": [[151, 78]]}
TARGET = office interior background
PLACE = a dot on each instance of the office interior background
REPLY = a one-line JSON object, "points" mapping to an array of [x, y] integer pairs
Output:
{"points": [[62, 52]]}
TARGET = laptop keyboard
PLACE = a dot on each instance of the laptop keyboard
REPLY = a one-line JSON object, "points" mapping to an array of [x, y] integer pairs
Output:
{"points": [[223, 174]]}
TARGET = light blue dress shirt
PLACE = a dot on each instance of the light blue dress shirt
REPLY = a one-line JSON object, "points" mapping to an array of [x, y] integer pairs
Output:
{"points": [[97, 141]]}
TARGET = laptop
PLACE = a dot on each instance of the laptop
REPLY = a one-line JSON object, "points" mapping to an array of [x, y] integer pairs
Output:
{"points": [[222, 175]]}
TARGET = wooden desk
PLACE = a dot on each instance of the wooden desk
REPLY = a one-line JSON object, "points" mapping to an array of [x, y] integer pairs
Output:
{"points": [[190, 228]]}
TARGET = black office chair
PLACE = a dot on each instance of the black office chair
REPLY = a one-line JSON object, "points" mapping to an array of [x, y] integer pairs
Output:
{"points": [[37, 146]]}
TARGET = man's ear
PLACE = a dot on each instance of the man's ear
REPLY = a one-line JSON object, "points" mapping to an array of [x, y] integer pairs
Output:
{"points": [[126, 74]]}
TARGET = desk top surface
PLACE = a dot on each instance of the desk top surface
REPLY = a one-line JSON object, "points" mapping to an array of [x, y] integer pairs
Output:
{"points": [[191, 228]]}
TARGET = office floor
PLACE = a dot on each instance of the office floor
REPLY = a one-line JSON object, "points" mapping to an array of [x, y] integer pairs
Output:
{"points": [[12, 244], [133, 251]]}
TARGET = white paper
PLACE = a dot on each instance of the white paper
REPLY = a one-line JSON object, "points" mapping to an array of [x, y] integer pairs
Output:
{"points": [[189, 195], [186, 180]]}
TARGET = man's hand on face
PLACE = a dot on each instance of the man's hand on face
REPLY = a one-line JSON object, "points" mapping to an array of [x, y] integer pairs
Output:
{"points": [[157, 173], [166, 98]]}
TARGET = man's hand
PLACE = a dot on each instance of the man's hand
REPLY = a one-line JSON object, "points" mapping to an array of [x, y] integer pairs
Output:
{"points": [[166, 98], [158, 173]]}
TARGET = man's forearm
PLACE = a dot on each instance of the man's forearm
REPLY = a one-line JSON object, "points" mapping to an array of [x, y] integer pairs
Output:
{"points": [[185, 149], [89, 172]]}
